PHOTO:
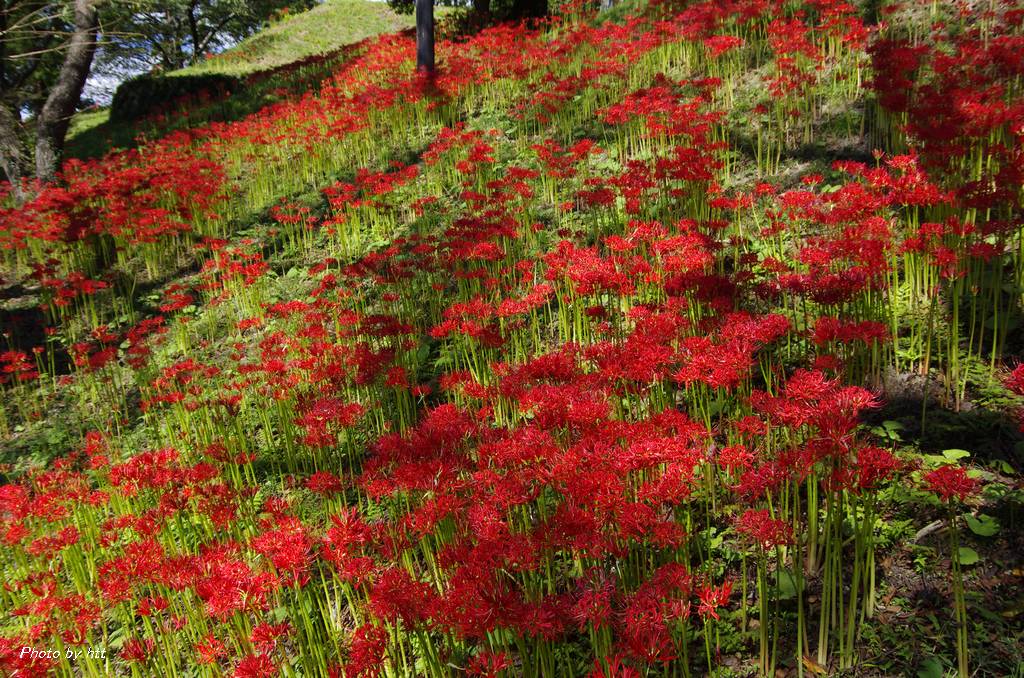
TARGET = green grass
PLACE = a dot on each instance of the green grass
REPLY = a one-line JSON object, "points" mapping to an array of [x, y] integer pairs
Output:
{"points": [[322, 30], [87, 120]]}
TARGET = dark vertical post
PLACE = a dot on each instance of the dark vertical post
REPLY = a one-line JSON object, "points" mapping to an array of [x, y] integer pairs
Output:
{"points": [[425, 36]]}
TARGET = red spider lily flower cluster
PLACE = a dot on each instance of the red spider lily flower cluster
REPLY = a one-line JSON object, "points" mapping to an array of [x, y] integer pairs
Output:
{"points": [[765, 531], [949, 482]]}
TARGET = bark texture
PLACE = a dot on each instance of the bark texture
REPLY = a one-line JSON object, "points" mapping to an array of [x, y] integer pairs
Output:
{"points": [[425, 35], [13, 158], [55, 116]]}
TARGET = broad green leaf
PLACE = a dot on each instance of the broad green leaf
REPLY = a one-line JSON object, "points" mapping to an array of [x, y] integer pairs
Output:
{"points": [[787, 584], [930, 668], [968, 556], [983, 526], [954, 454]]}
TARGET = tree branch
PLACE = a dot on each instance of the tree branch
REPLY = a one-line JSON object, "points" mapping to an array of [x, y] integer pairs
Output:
{"points": [[212, 33]]}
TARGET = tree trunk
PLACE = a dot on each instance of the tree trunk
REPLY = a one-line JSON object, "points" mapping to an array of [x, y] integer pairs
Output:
{"points": [[13, 158], [425, 36], [193, 30], [55, 116], [482, 8], [529, 9], [12, 148]]}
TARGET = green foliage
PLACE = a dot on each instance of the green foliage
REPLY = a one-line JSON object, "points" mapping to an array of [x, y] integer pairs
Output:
{"points": [[498, 10], [174, 33], [889, 431], [32, 32], [931, 668], [145, 94], [982, 525], [968, 556]]}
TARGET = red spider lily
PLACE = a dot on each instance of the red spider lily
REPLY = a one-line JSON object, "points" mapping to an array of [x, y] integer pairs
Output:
{"points": [[324, 483], [489, 664], [255, 666], [265, 636], [763, 530], [809, 397], [231, 586], [366, 650], [949, 481], [594, 603], [286, 546], [875, 465], [210, 650], [395, 596], [137, 651], [16, 366], [720, 44], [1015, 380], [152, 605], [325, 417], [712, 598], [617, 667], [828, 330]]}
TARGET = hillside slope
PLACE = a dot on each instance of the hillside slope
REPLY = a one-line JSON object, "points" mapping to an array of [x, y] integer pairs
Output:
{"points": [[316, 37], [320, 30], [641, 346]]}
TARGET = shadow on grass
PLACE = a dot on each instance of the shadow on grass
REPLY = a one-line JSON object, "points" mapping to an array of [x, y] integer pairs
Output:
{"points": [[258, 90]]}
